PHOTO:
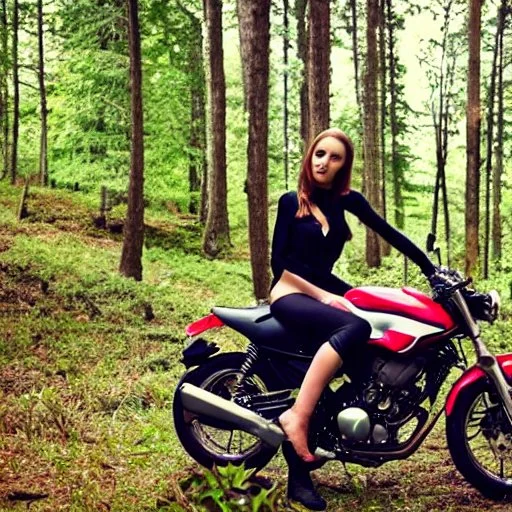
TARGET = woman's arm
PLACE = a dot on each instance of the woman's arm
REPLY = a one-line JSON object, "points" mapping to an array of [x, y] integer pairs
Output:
{"points": [[286, 210], [359, 206]]}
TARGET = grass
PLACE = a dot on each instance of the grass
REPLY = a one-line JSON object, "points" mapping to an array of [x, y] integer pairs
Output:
{"points": [[87, 379]]}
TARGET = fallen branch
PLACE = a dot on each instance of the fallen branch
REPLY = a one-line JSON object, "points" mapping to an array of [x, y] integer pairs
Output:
{"points": [[26, 496]]}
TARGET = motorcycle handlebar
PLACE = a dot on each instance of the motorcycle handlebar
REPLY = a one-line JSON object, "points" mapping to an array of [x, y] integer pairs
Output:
{"points": [[445, 282]]}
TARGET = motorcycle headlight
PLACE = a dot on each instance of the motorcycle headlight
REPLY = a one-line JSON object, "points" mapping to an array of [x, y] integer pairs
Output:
{"points": [[495, 304], [483, 306]]}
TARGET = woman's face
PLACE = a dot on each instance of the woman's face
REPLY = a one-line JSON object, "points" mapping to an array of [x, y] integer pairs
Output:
{"points": [[328, 158]]}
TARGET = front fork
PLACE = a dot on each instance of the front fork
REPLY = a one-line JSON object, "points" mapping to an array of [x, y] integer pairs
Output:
{"points": [[485, 360]]}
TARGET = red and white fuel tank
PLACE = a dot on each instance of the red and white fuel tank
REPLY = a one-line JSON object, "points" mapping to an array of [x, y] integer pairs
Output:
{"points": [[400, 318]]}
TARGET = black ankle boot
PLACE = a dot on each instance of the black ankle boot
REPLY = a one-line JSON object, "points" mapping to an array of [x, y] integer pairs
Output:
{"points": [[300, 485], [302, 489]]}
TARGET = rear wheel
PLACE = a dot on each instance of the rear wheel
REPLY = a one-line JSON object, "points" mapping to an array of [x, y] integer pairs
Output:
{"points": [[479, 437], [208, 444]]}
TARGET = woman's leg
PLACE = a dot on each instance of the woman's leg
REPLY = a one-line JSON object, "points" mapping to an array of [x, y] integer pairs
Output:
{"points": [[295, 421], [342, 330]]}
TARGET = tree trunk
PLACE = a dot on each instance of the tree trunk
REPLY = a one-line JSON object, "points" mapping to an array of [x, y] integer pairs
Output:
{"points": [[4, 90], [197, 146], [437, 182], [302, 51], [384, 246], [356, 58], [444, 190], [216, 235], [441, 123], [197, 138], [319, 53], [371, 128], [498, 169], [396, 170], [473, 139], [286, 47], [489, 149], [16, 89], [254, 23], [43, 151], [131, 257], [22, 206], [203, 212]]}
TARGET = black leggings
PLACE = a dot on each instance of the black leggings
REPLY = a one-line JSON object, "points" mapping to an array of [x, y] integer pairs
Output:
{"points": [[303, 314]]}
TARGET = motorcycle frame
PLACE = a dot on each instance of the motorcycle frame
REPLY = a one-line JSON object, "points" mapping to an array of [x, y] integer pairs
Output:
{"points": [[367, 458]]}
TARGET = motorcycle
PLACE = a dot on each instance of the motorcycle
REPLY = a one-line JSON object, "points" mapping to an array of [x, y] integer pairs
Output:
{"points": [[384, 401]]}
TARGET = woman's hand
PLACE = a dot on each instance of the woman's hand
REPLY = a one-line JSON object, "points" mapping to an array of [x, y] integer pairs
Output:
{"points": [[337, 301]]}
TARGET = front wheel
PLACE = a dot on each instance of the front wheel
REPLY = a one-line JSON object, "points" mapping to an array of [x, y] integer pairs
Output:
{"points": [[210, 445], [479, 437]]}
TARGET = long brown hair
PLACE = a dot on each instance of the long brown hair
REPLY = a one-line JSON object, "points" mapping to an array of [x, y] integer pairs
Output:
{"points": [[341, 183]]}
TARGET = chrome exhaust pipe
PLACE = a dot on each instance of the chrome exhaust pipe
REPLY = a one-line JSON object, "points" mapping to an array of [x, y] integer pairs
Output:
{"points": [[203, 403]]}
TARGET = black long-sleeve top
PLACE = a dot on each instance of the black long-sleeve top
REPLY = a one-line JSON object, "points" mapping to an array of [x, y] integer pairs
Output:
{"points": [[300, 247]]}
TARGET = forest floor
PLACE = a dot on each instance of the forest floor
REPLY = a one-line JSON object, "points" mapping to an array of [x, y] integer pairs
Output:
{"points": [[89, 362]]}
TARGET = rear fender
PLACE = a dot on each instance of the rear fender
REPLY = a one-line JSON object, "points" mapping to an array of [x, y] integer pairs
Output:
{"points": [[474, 374], [203, 324], [199, 350]]}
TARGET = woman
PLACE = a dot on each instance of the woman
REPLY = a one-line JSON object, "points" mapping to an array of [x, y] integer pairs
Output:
{"points": [[309, 236]]}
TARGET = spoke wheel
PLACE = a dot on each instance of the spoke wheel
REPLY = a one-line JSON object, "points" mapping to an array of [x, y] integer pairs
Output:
{"points": [[209, 444], [480, 440]]}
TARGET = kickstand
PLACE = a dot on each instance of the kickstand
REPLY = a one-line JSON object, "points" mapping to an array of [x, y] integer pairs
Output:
{"points": [[357, 481]]}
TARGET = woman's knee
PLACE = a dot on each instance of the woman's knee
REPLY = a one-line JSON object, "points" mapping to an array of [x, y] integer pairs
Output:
{"points": [[349, 336], [362, 328]]}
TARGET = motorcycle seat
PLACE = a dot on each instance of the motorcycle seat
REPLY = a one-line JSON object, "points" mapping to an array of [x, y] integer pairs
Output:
{"points": [[258, 325], [242, 316]]}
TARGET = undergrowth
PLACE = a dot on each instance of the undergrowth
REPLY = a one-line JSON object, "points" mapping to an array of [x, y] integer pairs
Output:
{"points": [[89, 362]]}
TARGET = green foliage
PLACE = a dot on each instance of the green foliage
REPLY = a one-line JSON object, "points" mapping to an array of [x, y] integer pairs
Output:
{"points": [[230, 488], [87, 376], [90, 101]]}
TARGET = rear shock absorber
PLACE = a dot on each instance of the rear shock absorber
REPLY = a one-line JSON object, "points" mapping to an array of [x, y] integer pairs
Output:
{"points": [[246, 369]]}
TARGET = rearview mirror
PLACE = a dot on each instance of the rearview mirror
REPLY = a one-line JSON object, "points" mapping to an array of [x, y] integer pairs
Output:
{"points": [[431, 240]]}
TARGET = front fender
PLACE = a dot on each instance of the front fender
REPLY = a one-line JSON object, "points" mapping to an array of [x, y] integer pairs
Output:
{"points": [[474, 374]]}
